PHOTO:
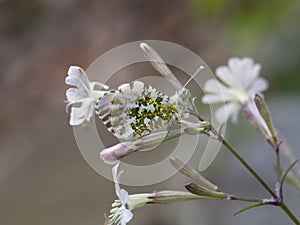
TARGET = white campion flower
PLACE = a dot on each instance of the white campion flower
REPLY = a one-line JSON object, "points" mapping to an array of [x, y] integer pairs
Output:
{"points": [[237, 83], [120, 214], [82, 98]]}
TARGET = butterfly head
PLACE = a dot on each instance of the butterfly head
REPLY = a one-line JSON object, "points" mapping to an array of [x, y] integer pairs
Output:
{"points": [[180, 100]]}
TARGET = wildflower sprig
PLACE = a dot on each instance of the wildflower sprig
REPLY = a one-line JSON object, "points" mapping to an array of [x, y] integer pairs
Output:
{"points": [[123, 111], [257, 113]]}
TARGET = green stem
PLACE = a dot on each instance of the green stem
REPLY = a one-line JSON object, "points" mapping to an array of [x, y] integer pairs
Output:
{"points": [[258, 178], [234, 198], [289, 213], [278, 164]]}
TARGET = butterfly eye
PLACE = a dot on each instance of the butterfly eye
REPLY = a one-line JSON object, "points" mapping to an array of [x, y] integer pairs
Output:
{"points": [[185, 92]]}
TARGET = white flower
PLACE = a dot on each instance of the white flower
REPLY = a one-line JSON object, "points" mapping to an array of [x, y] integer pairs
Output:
{"points": [[120, 214], [83, 97], [236, 84]]}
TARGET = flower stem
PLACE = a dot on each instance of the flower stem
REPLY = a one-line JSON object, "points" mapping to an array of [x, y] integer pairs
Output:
{"points": [[289, 213], [282, 205], [234, 198], [278, 164]]}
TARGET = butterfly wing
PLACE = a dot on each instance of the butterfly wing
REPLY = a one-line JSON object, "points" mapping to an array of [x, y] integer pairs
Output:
{"points": [[135, 110]]}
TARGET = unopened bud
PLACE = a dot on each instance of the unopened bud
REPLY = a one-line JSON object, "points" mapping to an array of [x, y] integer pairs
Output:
{"points": [[255, 118], [169, 197], [265, 114], [112, 154], [192, 173], [202, 191]]}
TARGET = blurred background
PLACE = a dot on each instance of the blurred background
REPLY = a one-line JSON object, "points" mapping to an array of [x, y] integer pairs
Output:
{"points": [[43, 177]]}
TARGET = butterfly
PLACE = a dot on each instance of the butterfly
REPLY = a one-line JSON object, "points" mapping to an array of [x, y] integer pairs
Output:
{"points": [[136, 109]]}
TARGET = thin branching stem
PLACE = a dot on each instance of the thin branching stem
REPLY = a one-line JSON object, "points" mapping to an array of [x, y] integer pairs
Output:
{"points": [[282, 205], [234, 198]]}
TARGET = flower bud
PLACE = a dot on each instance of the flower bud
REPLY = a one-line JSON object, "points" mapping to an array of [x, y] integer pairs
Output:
{"points": [[202, 191], [192, 173], [112, 154], [265, 114], [253, 115], [169, 197]]}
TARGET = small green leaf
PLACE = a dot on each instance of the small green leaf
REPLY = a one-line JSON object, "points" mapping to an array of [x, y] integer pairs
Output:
{"points": [[286, 173], [249, 207]]}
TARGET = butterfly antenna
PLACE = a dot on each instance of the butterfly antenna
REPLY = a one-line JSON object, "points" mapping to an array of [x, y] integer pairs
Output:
{"points": [[200, 68]]}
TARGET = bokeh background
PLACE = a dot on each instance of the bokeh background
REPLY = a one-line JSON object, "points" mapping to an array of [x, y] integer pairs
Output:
{"points": [[43, 177]]}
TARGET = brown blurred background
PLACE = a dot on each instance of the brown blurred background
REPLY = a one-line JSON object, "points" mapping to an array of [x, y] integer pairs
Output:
{"points": [[44, 179]]}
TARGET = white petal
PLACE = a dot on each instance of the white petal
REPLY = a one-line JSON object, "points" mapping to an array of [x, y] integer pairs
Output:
{"points": [[121, 193], [251, 74], [80, 114], [115, 173], [118, 191], [78, 78], [74, 118], [260, 85], [228, 110], [246, 64], [214, 86], [239, 68], [211, 99], [75, 95], [123, 196], [225, 75], [235, 65], [126, 217]]}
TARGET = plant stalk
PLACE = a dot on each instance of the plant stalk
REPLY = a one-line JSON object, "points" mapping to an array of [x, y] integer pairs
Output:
{"points": [[282, 205]]}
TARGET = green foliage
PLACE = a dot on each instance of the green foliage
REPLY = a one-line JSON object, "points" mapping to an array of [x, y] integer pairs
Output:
{"points": [[209, 7]]}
